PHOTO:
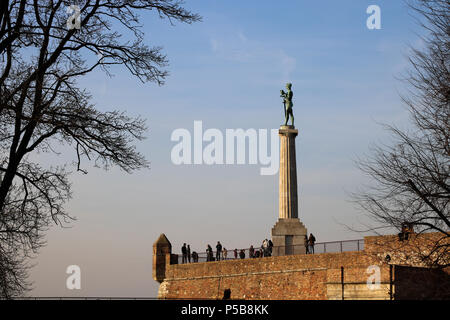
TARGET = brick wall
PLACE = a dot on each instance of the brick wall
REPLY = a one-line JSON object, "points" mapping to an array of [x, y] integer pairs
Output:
{"points": [[287, 277], [419, 250], [317, 276]]}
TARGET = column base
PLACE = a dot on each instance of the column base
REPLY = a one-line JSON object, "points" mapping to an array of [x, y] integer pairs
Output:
{"points": [[288, 237]]}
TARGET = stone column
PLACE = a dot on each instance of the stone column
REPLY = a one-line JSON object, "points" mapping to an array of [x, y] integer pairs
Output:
{"points": [[288, 207], [288, 233]]}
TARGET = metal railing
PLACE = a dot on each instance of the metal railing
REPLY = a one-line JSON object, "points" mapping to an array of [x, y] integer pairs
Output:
{"points": [[258, 252]]}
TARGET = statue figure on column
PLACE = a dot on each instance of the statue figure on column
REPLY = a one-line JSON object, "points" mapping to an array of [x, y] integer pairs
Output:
{"points": [[287, 101]]}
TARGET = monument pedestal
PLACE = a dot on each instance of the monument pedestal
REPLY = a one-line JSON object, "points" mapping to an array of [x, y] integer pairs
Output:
{"points": [[288, 237], [288, 234]]}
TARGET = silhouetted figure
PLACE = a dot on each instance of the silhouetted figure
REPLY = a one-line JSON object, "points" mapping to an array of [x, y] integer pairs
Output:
{"points": [[311, 241], [194, 256], [209, 253], [225, 253], [189, 253], [184, 253], [306, 244], [264, 246], [235, 253], [251, 252], [227, 294], [257, 254], [387, 258], [219, 250], [242, 254], [270, 247]]}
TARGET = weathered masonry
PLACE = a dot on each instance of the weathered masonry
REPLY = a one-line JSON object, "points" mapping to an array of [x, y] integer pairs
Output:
{"points": [[323, 276]]}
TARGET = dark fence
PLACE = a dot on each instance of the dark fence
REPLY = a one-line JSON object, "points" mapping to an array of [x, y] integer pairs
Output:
{"points": [[319, 247]]}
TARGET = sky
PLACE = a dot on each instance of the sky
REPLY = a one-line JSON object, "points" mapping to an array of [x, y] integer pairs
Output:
{"points": [[226, 71]]}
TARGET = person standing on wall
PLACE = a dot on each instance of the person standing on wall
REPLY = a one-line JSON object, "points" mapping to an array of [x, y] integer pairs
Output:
{"points": [[184, 253], [219, 250], [209, 253], [195, 256], [270, 247], [264, 246], [306, 244], [311, 241], [251, 252]]}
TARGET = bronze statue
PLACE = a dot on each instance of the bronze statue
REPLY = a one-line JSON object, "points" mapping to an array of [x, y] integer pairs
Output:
{"points": [[287, 101]]}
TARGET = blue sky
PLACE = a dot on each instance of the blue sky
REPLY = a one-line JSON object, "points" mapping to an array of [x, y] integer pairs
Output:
{"points": [[227, 72]]}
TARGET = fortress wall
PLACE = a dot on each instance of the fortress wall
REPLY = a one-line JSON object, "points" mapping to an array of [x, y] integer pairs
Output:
{"points": [[416, 243], [318, 276], [285, 277], [410, 252], [281, 285], [268, 264], [350, 283]]}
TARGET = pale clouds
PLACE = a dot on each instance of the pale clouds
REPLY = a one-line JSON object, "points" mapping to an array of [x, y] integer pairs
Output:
{"points": [[238, 47], [288, 64]]}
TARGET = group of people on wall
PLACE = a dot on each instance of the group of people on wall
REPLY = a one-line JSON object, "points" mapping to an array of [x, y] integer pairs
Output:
{"points": [[221, 253]]}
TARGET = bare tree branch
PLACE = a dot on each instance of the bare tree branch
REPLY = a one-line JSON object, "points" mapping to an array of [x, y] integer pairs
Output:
{"points": [[41, 105], [411, 178]]}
